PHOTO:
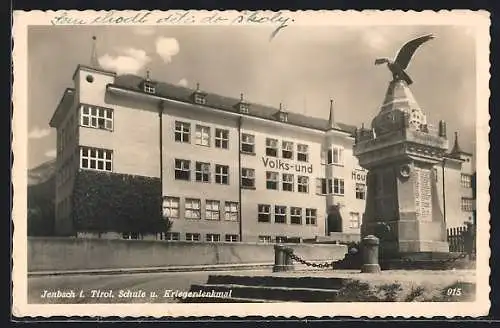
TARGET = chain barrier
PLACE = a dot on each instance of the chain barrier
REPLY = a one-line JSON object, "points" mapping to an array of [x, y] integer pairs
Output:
{"points": [[312, 264]]}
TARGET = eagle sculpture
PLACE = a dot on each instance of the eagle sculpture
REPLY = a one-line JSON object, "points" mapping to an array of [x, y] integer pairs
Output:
{"points": [[400, 63]]}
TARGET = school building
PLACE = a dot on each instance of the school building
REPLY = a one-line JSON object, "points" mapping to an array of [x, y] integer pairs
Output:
{"points": [[133, 152]]}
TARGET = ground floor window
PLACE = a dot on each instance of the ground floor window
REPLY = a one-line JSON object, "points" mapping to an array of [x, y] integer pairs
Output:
{"points": [[310, 216], [192, 236], [295, 215], [131, 235], [281, 239], [170, 236], [212, 237], [354, 220], [265, 239], [231, 238]]}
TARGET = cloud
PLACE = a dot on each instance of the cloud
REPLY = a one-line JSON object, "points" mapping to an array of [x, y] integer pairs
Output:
{"points": [[167, 48], [183, 82], [38, 133], [144, 30], [130, 61], [51, 153]]}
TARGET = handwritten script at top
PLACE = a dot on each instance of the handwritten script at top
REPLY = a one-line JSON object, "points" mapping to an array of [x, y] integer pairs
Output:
{"points": [[278, 19]]}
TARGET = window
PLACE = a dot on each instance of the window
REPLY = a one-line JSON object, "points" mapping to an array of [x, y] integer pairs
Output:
{"points": [[222, 138], [212, 210], [295, 215], [96, 159], [247, 178], [287, 149], [182, 170], [192, 208], [338, 186], [360, 191], [192, 236], [323, 186], [244, 108], [279, 214], [354, 221], [465, 181], [281, 239], [182, 131], [149, 88], [202, 173], [335, 156], [467, 205], [96, 117], [271, 147], [200, 99], [171, 207], [264, 213], [202, 135], [283, 117], [303, 184], [302, 153], [222, 174], [231, 238], [287, 183], [272, 180], [248, 143], [130, 235], [311, 216], [265, 239], [231, 211], [212, 237], [172, 236]]}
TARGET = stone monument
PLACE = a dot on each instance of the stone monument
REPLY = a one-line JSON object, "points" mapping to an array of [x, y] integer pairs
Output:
{"points": [[400, 152]]}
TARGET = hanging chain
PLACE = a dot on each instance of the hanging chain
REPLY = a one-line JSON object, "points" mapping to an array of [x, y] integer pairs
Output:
{"points": [[323, 265], [450, 260]]}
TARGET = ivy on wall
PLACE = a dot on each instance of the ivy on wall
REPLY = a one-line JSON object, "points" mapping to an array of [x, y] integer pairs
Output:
{"points": [[105, 201]]}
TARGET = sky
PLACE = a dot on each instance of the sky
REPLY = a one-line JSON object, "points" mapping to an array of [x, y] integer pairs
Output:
{"points": [[302, 67]]}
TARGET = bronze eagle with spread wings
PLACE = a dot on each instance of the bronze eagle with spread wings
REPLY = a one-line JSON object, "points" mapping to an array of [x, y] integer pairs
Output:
{"points": [[405, 54]]}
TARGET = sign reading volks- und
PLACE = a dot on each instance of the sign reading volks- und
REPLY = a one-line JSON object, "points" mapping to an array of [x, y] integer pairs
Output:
{"points": [[279, 164]]}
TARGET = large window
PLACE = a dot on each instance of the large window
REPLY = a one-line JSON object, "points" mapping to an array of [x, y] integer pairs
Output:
{"points": [[182, 131], [264, 213], [96, 159], [247, 178], [192, 208], [265, 239], [302, 153], [335, 156], [222, 138], [202, 173], [338, 186], [202, 135], [231, 211], [171, 236], [272, 180], [222, 174], [149, 88], [323, 187], [467, 205], [96, 117], [354, 220], [303, 184], [248, 143], [466, 181], [311, 215], [212, 210], [295, 215], [287, 184], [271, 147], [212, 237], [287, 149], [171, 207], [182, 169], [279, 214], [360, 191]]}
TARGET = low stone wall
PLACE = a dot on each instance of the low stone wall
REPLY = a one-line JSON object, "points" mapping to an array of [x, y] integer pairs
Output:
{"points": [[59, 254]]}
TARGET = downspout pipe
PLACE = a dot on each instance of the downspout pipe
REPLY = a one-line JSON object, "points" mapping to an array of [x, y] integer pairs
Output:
{"points": [[240, 226]]}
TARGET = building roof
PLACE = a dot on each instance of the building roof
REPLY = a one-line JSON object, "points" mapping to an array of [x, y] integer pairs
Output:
{"points": [[456, 151], [180, 93]]}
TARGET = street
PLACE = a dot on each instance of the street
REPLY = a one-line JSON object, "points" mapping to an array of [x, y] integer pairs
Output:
{"points": [[118, 288]]}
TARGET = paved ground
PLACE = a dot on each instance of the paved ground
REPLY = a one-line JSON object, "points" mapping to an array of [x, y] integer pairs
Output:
{"points": [[146, 282]]}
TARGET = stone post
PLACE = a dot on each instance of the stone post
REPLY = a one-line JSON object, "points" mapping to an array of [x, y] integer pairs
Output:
{"points": [[369, 247], [282, 259]]}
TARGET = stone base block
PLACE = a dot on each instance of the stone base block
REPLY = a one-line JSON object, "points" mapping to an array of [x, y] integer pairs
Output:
{"points": [[370, 268], [412, 246]]}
